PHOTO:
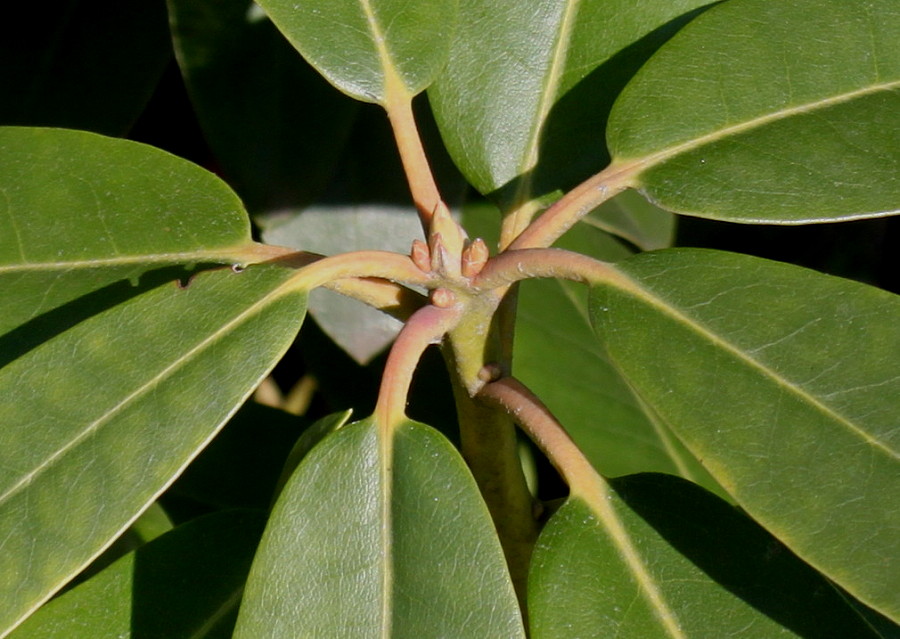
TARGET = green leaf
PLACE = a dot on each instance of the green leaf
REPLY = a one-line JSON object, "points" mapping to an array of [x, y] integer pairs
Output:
{"points": [[82, 64], [369, 48], [253, 94], [83, 214], [187, 583], [775, 112], [528, 86], [784, 383], [380, 532], [660, 557], [101, 418]]}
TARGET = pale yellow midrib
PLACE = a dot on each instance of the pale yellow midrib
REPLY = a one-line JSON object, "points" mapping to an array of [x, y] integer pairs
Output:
{"points": [[599, 498], [641, 163], [100, 421], [392, 80], [121, 260], [551, 83], [642, 293]]}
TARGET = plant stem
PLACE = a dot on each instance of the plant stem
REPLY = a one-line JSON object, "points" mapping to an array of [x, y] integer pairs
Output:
{"points": [[381, 264], [424, 190], [488, 444], [513, 266], [542, 428], [574, 205], [426, 326]]}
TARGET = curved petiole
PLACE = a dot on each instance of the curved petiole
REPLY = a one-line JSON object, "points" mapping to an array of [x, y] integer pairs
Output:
{"points": [[426, 326], [574, 205]]}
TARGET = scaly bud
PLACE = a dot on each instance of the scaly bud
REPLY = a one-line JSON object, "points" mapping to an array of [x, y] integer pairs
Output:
{"points": [[420, 255], [474, 257], [448, 237]]}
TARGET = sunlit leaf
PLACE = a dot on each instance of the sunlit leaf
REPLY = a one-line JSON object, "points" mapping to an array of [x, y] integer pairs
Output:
{"points": [[83, 214], [523, 101], [784, 383], [380, 532], [98, 420], [367, 48], [778, 112], [114, 371]]}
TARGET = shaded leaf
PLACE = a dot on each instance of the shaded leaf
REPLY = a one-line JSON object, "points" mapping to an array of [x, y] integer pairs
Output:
{"points": [[240, 467], [187, 583], [528, 86], [784, 383], [81, 64], [253, 94], [380, 532], [778, 112], [712, 571], [101, 418], [368, 48], [634, 219]]}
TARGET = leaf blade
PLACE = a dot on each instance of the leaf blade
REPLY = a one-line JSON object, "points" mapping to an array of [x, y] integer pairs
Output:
{"points": [[369, 48], [768, 125], [101, 460], [760, 373], [408, 532]]}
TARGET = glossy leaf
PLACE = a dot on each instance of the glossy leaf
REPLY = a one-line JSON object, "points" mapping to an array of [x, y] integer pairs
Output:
{"points": [[664, 558], [365, 542], [87, 214], [252, 93], [81, 64], [778, 112], [188, 583], [368, 48], [528, 86], [784, 383], [99, 419]]}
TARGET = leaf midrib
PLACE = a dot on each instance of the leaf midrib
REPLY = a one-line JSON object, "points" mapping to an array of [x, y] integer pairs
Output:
{"points": [[637, 165], [141, 390], [123, 260], [700, 329]]}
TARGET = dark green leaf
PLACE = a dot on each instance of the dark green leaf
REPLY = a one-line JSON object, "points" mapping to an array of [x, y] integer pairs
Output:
{"points": [[528, 86], [186, 584], [275, 125], [98, 420], [784, 383], [778, 112], [664, 558], [369, 48]]}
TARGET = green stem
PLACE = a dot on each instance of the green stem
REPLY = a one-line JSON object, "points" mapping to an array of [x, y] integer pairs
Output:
{"points": [[488, 444]]}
